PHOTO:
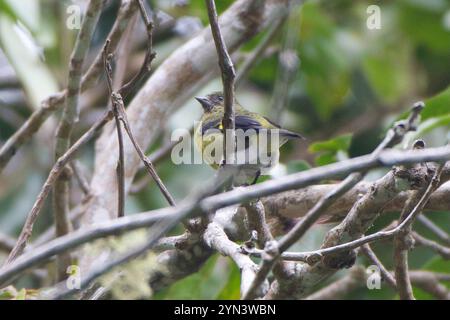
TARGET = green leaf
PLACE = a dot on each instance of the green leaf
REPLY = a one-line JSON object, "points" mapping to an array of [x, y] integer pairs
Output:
{"points": [[425, 26], [432, 124], [339, 143], [232, 289], [326, 158], [5, 8], [26, 11], [437, 105], [330, 150], [437, 108], [389, 73], [325, 67], [297, 166]]}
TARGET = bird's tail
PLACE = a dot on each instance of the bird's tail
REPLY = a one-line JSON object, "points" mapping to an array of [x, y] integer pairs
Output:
{"points": [[290, 135]]}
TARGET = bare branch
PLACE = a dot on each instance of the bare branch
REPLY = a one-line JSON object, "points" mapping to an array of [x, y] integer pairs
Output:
{"points": [[228, 78], [429, 282], [368, 252], [419, 240], [121, 116], [80, 176], [438, 231], [116, 99], [217, 239], [353, 280]]}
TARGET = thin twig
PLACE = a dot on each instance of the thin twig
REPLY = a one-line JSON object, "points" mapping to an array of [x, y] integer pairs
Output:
{"points": [[402, 244], [228, 77], [155, 157], [353, 280], [115, 100], [70, 116], [216, 238], [80, 176], [438, 231], [429, 282], [419, 240], [403, 241], [148, 164], [256, 54], [368, 252], [126, 11], [149, 55]]}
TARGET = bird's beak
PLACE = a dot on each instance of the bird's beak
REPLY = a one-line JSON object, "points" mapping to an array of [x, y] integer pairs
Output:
{"points": [[206, 104]]}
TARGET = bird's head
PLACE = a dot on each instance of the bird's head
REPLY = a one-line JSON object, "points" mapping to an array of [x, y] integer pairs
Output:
{"points": [[211, 101]]}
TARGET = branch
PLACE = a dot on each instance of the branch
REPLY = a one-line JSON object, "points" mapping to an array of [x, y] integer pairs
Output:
{"points": [[155, 157], [228, 77], [87, 234], [80, 176], [443, 251], [216, 239], [256, 221], [120, 114], [116, 99], [402, 243], [430, 225], [429, 282], [368, 252], [353, 280], [381, 235], [300, 228]]}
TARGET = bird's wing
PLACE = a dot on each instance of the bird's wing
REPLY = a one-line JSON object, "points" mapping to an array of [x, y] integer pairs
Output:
{"points": [[246, 122]]}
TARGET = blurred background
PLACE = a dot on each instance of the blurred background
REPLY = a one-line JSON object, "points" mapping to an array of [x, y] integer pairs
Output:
{"points": [[325, 72]]}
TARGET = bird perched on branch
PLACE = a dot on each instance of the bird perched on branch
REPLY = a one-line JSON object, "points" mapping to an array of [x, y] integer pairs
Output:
{"points": [[257, 139]]}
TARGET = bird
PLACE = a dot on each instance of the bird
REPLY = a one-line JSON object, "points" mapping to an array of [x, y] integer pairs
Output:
{"points": [[255, 153]]}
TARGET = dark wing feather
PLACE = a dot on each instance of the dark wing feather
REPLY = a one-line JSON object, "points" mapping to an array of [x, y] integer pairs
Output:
{"points": [[245, 123]]}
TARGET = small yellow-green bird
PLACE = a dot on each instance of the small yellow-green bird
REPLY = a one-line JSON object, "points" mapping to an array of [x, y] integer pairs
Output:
{"points": [[257, 139]]}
